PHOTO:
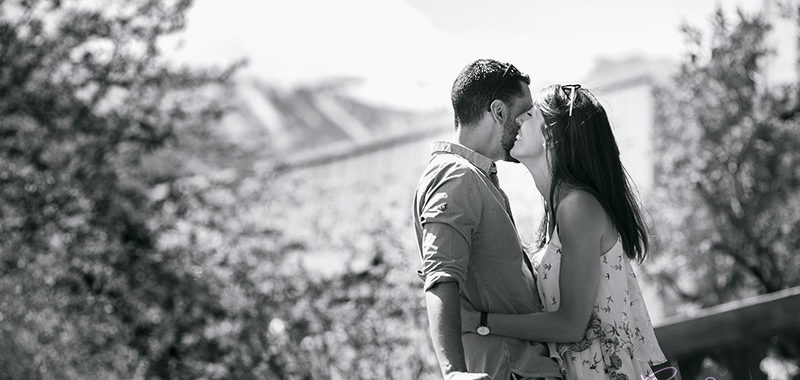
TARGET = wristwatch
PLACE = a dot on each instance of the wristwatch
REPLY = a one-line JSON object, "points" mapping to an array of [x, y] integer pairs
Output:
{"points": [[483, 328]]}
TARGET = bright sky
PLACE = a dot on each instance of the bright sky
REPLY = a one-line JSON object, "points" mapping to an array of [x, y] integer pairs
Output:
{"points": [[409, 51]]}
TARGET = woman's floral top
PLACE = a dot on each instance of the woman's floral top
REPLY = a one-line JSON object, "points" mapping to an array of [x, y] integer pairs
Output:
{"points": [[619, 342]]}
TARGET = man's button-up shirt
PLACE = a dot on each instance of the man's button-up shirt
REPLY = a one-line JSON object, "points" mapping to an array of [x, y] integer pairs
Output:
{"points": [[475, 243]]}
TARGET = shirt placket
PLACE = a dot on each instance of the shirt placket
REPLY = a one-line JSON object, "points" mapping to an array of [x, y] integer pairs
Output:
{"points": [[496, 182]]}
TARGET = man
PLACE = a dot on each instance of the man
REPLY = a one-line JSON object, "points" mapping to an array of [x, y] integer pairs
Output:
{"points": [[468, 243]]}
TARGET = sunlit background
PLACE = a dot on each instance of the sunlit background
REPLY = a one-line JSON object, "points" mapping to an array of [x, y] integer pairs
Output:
{"points": [[407, 53], [223, 190]]}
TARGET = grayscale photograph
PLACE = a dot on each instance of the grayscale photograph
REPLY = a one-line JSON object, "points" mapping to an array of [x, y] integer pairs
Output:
{"points": [[400, 189]]}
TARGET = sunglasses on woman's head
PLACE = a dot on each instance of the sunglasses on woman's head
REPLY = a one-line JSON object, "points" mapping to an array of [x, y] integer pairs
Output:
{"points": [[571, 90]]}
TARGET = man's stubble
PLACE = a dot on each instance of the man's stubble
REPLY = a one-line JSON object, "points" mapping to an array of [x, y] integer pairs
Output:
{"points": [[510, 130]]}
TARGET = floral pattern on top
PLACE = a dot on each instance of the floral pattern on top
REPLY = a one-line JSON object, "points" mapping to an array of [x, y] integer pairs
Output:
{"points": [[619, 342]]}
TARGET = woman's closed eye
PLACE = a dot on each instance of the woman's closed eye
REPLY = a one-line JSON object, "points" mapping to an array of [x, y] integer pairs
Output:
{"points": [[525, 116]]}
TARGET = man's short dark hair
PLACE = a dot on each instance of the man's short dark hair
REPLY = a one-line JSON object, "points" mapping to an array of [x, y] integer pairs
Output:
{"points": [[473, 88]]}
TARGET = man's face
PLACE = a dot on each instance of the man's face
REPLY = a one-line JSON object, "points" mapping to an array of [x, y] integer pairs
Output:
{"points": [[518, 106]]}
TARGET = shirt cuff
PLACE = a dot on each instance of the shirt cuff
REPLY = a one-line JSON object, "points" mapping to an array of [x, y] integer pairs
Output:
{"points": [[436, 277]]}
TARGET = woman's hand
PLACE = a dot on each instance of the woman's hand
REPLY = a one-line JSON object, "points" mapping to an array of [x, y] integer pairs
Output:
{"points": [[469, 319]]}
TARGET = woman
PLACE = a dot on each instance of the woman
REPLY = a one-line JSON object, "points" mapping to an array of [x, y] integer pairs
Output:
{"points": [[591, 229]]}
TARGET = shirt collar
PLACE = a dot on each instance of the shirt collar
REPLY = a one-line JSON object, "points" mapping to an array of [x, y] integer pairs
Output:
{"points": [[485, 164]]}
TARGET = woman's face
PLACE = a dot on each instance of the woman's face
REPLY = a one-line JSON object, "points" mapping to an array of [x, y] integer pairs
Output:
{"points": [[530, 141]]}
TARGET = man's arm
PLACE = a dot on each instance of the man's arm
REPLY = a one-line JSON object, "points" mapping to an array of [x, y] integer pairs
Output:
{"points": [[448, 217], [446, 255], [444, 316]]}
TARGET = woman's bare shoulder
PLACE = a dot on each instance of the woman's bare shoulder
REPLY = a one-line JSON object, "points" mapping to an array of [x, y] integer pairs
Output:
{"points": [[580, 215]]}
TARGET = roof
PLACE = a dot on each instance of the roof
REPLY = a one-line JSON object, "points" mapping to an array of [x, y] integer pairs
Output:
{"points": [[305, 124]]}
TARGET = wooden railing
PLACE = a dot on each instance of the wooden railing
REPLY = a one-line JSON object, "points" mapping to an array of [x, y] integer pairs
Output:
{"points": [[736, 335]]}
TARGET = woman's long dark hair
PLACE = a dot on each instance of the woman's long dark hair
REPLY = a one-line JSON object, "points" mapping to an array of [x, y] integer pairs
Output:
{"points": [[582, 153]]}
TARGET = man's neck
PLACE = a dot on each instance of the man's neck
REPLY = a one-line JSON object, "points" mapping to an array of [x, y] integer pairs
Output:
{"points": [[472, 138]]}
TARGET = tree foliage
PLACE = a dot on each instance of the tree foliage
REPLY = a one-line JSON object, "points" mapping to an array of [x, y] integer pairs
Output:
{"points": [[729, 170], [728, 174], [85, 95], [137, 243]]}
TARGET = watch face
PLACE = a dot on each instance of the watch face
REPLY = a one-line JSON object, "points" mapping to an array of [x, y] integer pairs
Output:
{"points": [[483, 330]]}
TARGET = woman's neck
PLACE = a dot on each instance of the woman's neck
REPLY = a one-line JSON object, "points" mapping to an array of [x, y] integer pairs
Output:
{"points": [[542, 178], [541, 175]]}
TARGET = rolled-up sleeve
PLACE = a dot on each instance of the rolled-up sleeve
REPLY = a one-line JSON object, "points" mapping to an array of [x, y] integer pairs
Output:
{"points": [[445, 255], [449, 215]]}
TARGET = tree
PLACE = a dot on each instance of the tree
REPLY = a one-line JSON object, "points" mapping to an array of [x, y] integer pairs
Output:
{"points": [[137, 243], [85, 95], [729, 169], [728, 175]]}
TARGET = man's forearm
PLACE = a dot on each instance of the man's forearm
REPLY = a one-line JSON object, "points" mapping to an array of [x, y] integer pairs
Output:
{"points": [[444, 316]]}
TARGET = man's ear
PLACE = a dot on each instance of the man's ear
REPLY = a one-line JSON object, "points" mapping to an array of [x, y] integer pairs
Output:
{"points": [[498, 110]]}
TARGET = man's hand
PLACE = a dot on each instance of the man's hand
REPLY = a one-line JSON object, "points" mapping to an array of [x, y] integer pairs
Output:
{"points": [[443, 302], [469, 319], [467, 376]]}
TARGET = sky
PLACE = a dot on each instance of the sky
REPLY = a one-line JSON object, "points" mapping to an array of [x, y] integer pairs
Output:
{"points": [[406, 53]]}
